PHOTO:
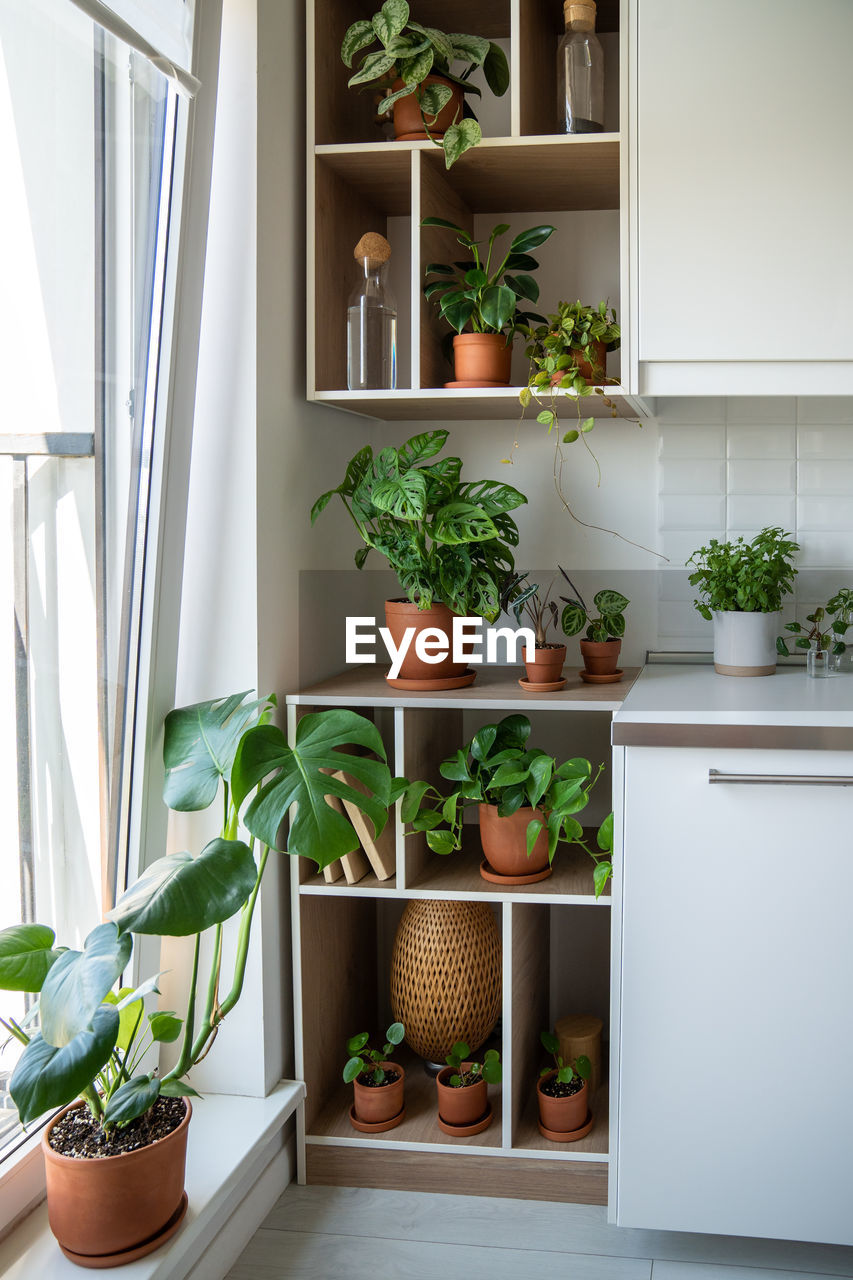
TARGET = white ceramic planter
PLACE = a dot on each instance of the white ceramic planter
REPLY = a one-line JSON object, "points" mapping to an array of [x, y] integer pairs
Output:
{"points": [[745, 643]]}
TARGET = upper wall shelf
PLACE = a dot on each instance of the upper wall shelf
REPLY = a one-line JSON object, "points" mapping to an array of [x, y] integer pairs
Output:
{"points": [[470, 404]]}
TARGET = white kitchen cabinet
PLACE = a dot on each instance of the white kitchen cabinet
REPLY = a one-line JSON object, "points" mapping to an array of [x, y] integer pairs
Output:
{"points": [[733, 1070], [741, 192]]}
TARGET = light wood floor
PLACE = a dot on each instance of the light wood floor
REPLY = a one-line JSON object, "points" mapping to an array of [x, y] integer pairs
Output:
{"points": [[322, 1233]]}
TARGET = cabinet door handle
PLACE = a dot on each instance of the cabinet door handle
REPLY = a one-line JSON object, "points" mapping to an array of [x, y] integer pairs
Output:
{"points": [[782, 779]]}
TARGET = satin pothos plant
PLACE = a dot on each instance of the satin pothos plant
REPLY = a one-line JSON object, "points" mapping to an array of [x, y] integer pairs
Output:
{"points": [[87, 1036]]}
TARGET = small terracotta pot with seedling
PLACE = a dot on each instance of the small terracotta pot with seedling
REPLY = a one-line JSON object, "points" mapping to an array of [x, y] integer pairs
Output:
{"points": [[563, 1095], [603, 639], [463, 1097], [378, 1102]]}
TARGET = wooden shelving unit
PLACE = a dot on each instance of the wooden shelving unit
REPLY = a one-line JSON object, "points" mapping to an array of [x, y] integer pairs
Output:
{"points": [[342, 939], [358, 181]]}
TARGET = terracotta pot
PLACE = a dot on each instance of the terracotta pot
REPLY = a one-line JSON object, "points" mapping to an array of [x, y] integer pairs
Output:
{"points": [[504, 841], [401, 614], [482, 360], [408, 121], [595, 370], [376, 1104], [111, 1205], [562, 1115], [547, 665], [600, 657], [461, 1107]]}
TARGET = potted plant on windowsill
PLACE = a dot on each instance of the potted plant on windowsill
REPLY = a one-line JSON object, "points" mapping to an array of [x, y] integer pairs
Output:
{"points": [[526, 802], [449, 542], [378, 1084], [563, 1095], [482, 303], [741, 586], [824, 640], [545, 671], [602, 643], [413, 68], [463, 1098], [114, 1158]]}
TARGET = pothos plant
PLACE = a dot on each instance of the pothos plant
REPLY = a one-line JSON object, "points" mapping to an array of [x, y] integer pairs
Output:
{"points": [[92, 1033], [566, 1072], [409, 53], [489, 1069], [829, 625], [447, 540], [744, 577], [367, 1062]]}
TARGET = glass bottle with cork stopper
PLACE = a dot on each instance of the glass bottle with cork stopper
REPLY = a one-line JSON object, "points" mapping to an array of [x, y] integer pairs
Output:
{"points": [[580, 71], [372, 320]]}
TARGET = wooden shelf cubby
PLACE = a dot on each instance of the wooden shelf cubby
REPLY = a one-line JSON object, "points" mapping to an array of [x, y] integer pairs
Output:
{"points": [[555, 940]]}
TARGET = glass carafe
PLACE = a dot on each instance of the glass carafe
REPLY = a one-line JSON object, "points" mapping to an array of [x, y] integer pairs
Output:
{"points": [[372, 328], [580, 72]]}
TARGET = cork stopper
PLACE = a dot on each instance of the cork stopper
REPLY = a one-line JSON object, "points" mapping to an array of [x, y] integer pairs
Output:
{"points": [[373, 248], [579, 14]]}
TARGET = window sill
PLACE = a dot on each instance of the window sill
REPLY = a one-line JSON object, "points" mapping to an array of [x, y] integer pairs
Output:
{"points": [[226, 1136]]}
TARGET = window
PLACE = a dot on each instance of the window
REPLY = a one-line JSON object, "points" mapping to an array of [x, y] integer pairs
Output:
{"points": [[91, 152]]}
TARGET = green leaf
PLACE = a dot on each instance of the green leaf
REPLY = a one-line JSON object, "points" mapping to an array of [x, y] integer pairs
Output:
{"points": [[573, 618], [404, 497], [375, 66], [391, 19], [496, 70], [460, 137], [165, 1026], [433, 99], [356, 1043], [525, 396], [450, 226], [441, 842], [199, 746], [26, 956], [469, 48], [130, 1015], [77, 983], [356, 38], [549, 1041], [47, 1076], [395, 1033], [524, 286], [387, 102], [463, 522], [610, 602], [178, 1089], [782, 648], [533, 829], [546, 417], [413, 71], [600, 876], [353, 1069], [476, 278], [604, 838], [457, 313], [179, 894], [317, 831], [531, 238], [583, 1066], [587, 424], [570, 437], [132, 1100], [492, 1070], [497, 306], [420, 447]]}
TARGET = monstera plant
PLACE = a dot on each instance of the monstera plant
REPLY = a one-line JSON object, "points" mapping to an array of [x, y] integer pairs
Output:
{"points": [[88, 1037]]}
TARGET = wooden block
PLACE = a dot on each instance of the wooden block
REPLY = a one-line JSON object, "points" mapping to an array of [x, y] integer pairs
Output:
{"points": [[355, 865], [333, 872], [581, 1033], [382, 852]]}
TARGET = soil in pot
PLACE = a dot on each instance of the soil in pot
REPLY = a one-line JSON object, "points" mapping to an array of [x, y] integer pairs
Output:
{"points": [[77, 1134], [562, 1107], [504, 842], [547, 666], [105, 1203], [402, 614], [600, 658], [481, 360], [376, 1104], [408, 121]]}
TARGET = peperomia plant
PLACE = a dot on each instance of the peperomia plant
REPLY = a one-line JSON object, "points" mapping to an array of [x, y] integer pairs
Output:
{"points": [[744, 577], [489, 1069], [566, 1072], [409, 53], [448, 541], [608, 625], [830, 624], [482, 297], [364, 1061], [93, 1033]]}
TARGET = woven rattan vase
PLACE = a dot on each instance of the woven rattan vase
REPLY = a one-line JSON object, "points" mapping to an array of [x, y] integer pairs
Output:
{"points": [[446, 976]]}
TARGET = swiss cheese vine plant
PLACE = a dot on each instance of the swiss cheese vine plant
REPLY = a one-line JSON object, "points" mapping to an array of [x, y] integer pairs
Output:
{"points": [[86, 1036]]}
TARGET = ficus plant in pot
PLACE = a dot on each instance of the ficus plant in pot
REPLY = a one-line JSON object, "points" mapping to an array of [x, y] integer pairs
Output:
{"points": [[483, 299], [378, 1084], [529, 602], [741, 586], [526, 802], [114, 1157], [602, 639], [424, 75], [448, 541], [463, 1096], [823, 640], [563, 1094]]}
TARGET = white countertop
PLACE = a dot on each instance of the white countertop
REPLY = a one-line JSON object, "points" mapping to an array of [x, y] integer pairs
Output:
{"points": [[695, 694]]}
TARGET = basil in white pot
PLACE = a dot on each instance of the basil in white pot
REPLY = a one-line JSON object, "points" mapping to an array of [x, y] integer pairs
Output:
{"points": [[741, 586]]}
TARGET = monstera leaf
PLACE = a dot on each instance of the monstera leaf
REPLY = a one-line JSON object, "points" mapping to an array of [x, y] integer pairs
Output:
{"points": [[132, 1100], [298, 776], [26, 956], [49, 1076], [79, 981], [179, 894], [199, 745]]}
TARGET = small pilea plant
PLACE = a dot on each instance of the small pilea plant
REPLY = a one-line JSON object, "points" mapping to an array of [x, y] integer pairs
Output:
{"points": [[365, 1061], [489, 1069], [566, 1071]]}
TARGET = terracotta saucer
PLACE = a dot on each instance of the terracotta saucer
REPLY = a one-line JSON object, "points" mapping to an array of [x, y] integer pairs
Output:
{"points": [[453, 386], [467, 1130], [612, 678], [381, 1127], [492, 876], [101, 1261], [434, 686], [548, 686], [573, 1135]]}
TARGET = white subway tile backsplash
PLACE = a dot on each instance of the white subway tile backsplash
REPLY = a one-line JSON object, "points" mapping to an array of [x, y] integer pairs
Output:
{"points": [[827, 476], [683, 409], [692, 475], [679, 546], [758, 510], [826, 550], [692, 511], [774, 410], [681, 619], [761, 441], [683, 441], [825, 409], [829, 514], [825, 442], [767, 476]]}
